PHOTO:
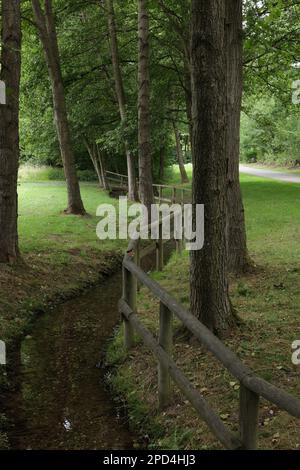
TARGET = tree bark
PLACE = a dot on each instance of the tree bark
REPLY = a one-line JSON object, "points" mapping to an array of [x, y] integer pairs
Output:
{"points": [[238, 259], [188, 100], [91, 148], [179, 153], [162, 155], [209, 282], [9, 129], [120, 92], [144, 137], [100, 160], [48, 36]]}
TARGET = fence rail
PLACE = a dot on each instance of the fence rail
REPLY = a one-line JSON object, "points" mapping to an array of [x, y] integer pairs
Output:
{"points": [[162, 192], [252, 387]]}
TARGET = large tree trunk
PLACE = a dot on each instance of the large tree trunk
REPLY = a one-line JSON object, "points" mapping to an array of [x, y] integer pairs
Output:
{"points": [[145, 164], [238, 259], [120, 92], [179, 153], [47, 32], [9, 129], [209, 283]]}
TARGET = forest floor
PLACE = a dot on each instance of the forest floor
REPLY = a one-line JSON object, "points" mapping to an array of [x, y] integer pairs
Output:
{"points": [[267, 300]]}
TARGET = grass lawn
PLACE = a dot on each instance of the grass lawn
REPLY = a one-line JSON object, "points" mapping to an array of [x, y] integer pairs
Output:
{"points": [[268, 303]]}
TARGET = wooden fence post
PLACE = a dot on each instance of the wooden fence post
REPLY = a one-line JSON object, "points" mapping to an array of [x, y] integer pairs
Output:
{"points": [[179, 246], [174, 196], [249, 405], [137, 259], [160, 249], [166, 342], [129, 295], [160, 194]]}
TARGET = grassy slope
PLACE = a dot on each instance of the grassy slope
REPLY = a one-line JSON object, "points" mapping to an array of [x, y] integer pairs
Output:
{"points": [[268, 302]]}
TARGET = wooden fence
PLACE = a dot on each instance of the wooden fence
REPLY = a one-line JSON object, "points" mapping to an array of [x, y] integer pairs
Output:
{"points": [[162, 192], [252, 387]]}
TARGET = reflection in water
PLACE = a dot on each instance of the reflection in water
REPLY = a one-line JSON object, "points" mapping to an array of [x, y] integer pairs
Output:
{"points": [[60, 400]]}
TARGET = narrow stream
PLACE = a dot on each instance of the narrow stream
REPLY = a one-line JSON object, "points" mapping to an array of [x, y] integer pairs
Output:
{"points": [[61, 401]]}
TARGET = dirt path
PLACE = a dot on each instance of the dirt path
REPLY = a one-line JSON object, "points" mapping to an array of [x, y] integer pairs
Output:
{"points": [[275, 175]]}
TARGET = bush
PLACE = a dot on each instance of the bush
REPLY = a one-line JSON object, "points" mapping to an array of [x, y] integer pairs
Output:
{"points": [[87, 175], [270, 132]]}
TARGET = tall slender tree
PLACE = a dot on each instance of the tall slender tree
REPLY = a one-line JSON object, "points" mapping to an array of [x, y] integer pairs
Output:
{"points": [[9, 129], [144, 133], [121, 97], [47, 31], [179, 153], [238, 259], [209, 284]]}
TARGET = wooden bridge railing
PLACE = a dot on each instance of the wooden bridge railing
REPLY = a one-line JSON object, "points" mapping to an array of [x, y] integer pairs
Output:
{"points": [[162, 192], [252, 387]]}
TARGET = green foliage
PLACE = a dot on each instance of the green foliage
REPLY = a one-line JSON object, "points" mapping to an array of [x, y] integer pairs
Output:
{"points": [[270, 132]]}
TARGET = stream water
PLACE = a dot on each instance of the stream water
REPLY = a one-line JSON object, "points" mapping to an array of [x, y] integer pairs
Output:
{"points": [[60, 399]]}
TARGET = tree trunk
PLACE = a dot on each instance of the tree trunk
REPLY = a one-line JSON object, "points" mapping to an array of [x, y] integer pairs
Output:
{"points": [[93, 156], [102, 167], [9, 129], [47, 32], [180, 159], [188, 101], [145, 164], [238, 259], [209, 283], [132, 186], [162, 155]]}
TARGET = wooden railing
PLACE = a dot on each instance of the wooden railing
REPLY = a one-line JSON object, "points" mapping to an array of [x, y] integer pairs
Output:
{"points": [[116, 179], [162, 192], [252, 387]]}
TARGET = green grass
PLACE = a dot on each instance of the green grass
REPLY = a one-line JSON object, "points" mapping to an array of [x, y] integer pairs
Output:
{"points": [[272, 216], [172, 175], [43, 227], [273, 219], [268, 303], [32, 173]]}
